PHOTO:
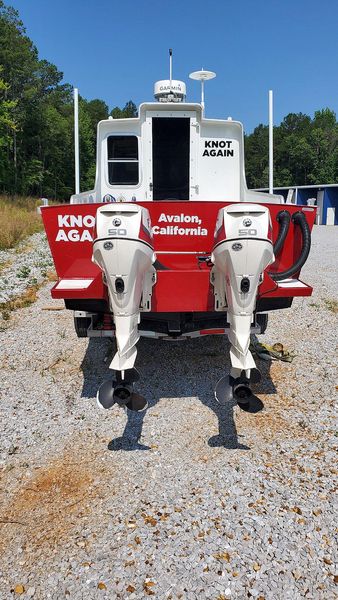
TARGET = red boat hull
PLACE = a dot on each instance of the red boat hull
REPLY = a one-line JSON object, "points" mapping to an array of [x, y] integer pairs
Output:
{"points": [[183, 239]]}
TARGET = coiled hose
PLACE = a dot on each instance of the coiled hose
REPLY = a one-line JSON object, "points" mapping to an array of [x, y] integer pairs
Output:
{"points": [[300, 220], [283, 219]]}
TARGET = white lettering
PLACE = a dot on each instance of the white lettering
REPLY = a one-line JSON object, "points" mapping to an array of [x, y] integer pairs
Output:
{"points": [[182, 218], [75, 220], [73, 235], [86, 236], [88, 221], [180, 231], [62, 221], [61, 236]]}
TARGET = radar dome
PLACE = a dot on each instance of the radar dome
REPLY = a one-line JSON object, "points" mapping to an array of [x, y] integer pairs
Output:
{"points": [[164, 92]]}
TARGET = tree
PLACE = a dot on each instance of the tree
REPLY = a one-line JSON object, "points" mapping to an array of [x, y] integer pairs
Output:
{"points": [[305, 151], [97, 111], [129, 111], [7, 126], [256, 153], [37, 129]]}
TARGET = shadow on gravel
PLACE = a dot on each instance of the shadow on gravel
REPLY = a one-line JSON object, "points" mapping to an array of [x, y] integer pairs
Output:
{"points": [[131, 435], [183, 369]]}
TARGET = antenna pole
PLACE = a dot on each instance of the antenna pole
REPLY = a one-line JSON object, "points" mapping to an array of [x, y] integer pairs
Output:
{"points": [[202, 94], [76, 141], [171, 68], [270, 142]]}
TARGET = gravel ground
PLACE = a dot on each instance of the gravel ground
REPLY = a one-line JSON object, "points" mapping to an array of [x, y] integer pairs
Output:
{"points": [[191, 500], [25, 265]]}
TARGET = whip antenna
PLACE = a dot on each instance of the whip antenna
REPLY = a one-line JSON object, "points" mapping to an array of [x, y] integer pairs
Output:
{"points": [[171, 68]]}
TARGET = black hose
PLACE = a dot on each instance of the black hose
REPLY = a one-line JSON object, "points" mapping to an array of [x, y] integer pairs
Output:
{"points": [[300, 220], [283, 219]]}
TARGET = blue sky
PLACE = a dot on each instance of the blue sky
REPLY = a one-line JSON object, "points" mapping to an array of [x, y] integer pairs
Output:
{"points": [[116, 50]]}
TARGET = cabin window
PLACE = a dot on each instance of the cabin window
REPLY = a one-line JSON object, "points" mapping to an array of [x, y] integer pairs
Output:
{"points": [[123, 162]]}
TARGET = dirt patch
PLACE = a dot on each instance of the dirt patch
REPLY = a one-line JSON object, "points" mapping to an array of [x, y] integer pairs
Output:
{"points": [[46, 508], [65, 363], [268, 423], [277, 420], [281, 372]]}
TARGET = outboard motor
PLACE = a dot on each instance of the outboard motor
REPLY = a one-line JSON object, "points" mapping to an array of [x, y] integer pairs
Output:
{"points": [[123, 249], [242, 251]]}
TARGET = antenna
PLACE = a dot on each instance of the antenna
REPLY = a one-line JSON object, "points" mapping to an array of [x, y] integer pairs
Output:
{"points": [[171, 68], [202, 76]]}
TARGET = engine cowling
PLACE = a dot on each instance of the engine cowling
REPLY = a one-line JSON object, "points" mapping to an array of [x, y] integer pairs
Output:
{"points": [[242, 251], [123, 249]]}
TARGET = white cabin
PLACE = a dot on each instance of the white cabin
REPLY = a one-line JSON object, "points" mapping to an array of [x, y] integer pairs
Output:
{"points": [[170, 152]]}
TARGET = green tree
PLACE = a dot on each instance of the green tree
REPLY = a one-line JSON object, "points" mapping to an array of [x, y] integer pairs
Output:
{"points": [[87, 147], [305, 151], [97, 111], [7, 126], [256, 152], [324, 141], [30, 82], [129, 111]]}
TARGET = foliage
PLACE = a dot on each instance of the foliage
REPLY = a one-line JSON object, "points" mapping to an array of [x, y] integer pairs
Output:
{"points": [[129, 111], [36, 129], [305, 151], [19, 218], [36, 120]]}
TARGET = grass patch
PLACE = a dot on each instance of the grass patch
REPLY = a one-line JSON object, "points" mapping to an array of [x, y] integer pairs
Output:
{"points": [[51, 275], [331, 305], [23, 272], [4, 265], [19, 219], [26, 298], [314, 305]]}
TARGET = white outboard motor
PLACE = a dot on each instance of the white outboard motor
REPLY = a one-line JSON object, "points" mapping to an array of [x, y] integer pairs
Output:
{"points": [[123, 249], [242, 251]]}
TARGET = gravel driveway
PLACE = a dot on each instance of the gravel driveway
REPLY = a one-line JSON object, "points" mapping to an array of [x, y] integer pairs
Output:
{"points": [[189, 501]]}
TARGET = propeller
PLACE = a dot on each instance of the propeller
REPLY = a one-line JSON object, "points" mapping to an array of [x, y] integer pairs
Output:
{"points": [[105, 395], [120, 391]]}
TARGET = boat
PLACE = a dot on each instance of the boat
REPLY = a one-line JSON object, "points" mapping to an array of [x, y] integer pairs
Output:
{"points": [[171, 244]]}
